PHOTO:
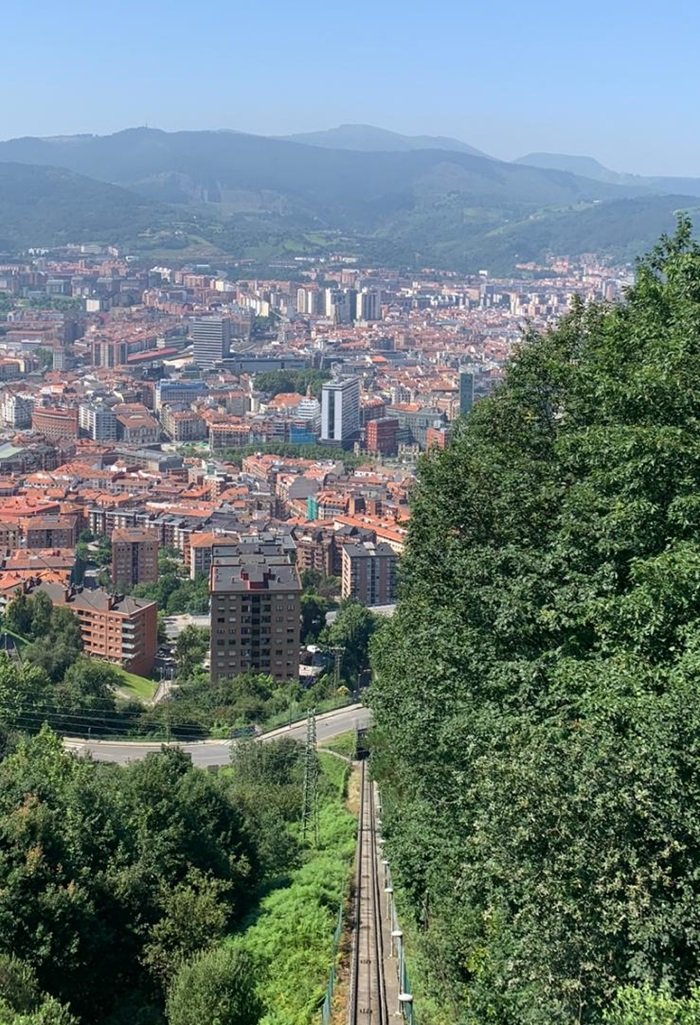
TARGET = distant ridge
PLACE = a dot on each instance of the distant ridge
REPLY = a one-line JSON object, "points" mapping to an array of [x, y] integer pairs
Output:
{"points": [[369, 139], [589, 167], [243, 196]]}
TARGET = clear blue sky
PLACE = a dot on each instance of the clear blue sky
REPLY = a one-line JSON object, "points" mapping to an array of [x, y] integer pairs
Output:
{"points": [[615, 80]]}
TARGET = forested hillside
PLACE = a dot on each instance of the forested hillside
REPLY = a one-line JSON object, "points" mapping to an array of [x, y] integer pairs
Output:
{"points": [[160, 893], [538, 693]]}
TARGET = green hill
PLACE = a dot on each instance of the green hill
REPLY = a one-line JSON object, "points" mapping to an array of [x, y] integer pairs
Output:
{"points": [[240, 173], [42, 206], [260, 198]]}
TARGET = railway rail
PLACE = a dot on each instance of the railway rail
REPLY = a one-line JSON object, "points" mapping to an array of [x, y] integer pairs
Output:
{"points": [[368, 992]]}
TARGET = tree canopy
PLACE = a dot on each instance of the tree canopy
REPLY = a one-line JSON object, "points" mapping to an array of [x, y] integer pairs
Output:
{"points": [[538, 691]]}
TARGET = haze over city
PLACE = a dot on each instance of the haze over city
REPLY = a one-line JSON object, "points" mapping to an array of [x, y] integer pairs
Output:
{"points": [[512, 80]]}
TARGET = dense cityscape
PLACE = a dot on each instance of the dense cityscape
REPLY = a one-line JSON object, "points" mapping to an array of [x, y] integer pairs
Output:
{"points": [[127, 392], [349, 514]]}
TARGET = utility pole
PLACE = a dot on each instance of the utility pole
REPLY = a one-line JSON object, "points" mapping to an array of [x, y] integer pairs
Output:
{"points": [[309, 812], [337, 663]]}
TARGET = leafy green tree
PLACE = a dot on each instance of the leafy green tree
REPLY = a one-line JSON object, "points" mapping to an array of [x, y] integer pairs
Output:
{"points": [[18, 615], [19, 988], [48, 1012], [536, 695], [194, 916], [646, 1007], [60, 645], [42, 616], [190, 648], [103, 552], [85, 697], [22, 1003], [352, 629], [313, 616], [109, 876], [217, 986], [25, 692]]}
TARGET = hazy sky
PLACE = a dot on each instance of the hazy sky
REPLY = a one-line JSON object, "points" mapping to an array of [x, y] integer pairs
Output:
{"points": [[615, 80]]}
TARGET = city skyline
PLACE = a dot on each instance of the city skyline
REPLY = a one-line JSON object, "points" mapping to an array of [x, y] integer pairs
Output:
{"points": [[534, 79]]}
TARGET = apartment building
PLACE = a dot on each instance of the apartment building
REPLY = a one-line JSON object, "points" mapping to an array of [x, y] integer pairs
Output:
{"points": [[134, 556], [369, 573], [115, 628], [17, 410], [255, 614], [98, 421], [55, 422], [183, 425], [211, 340], [314, 549], [340, 410], [381, 435], [50, 532], [228, 435]]}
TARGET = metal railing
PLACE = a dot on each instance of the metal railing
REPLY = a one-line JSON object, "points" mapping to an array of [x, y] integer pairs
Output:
{"points": [[398, 950]]}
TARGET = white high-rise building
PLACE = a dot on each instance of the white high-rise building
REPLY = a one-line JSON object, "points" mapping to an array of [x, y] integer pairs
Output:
{"points": [[211, 340], [340, 410], [97, 421], [17, 410]]}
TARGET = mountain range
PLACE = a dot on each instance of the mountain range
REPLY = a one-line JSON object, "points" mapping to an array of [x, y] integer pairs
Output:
{"points": [[413, 200], [369, 139]]}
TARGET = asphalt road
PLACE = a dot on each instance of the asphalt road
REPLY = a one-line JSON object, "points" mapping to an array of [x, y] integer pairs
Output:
{"points": [[218, 752]]}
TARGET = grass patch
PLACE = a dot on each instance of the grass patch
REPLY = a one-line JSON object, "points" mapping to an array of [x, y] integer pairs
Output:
{"points": [[343, 744], [133, 686], [292, 935]]}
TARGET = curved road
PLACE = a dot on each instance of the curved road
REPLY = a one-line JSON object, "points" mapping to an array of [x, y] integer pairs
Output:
{"points": [[218, 752]]}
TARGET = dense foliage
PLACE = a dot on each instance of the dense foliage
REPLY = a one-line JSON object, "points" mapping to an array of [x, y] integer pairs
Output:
{"points": [[291, 937], [538, 692], [132, 895], [351, 632], [174, 591], [53, 633], [275, 381], [110, 877]]}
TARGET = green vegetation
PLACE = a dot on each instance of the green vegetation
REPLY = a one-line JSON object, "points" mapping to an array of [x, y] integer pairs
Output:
{"points": [[648, 1007], [108, 875], [293, 929], [182, 195], [352, 630], [217, 985], [174, 591], [344, 744], [158, 892], [191, 646], [49, 206], [537, 695], [199, 707], [53, 633], [275, 381], [139, 687], [21, 1000]]}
